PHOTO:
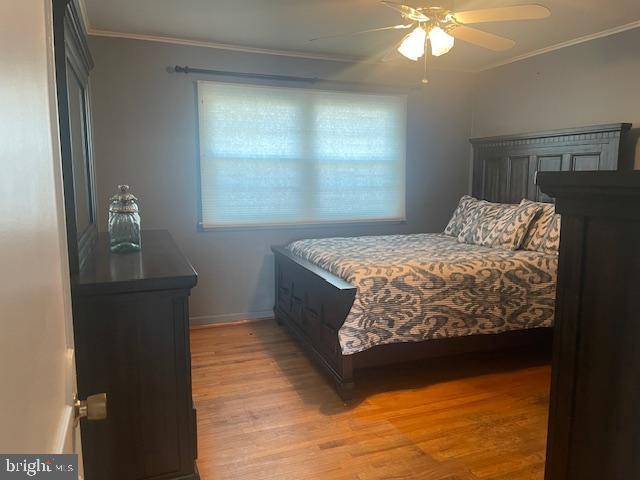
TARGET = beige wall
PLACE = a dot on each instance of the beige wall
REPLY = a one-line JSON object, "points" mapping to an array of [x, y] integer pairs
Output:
{"points": [[145, 135], [36, 374], [587, 84]]}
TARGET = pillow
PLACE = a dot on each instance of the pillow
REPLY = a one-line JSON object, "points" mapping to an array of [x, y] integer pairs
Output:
{"points": [[498, 224], [544, 232], [461, 215]]}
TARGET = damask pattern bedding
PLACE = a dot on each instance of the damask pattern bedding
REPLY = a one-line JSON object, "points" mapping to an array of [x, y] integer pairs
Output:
{"points": [[425, 286]]}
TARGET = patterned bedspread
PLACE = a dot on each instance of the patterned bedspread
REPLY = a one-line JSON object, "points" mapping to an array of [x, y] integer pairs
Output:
{"points": [[423, 286]]}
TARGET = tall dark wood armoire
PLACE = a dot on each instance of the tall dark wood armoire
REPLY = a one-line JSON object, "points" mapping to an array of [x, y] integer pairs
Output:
{"points": [[594, 418], [130, 311]]}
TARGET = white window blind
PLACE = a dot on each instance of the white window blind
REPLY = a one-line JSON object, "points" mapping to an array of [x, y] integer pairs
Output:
{"points": [[277, 156]]}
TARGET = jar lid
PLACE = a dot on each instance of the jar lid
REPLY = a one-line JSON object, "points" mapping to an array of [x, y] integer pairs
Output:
{"points": [[123, 201]]}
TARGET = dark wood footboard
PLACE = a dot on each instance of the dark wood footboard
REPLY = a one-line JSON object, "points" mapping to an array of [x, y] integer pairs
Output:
{"points": [[312, 304]]}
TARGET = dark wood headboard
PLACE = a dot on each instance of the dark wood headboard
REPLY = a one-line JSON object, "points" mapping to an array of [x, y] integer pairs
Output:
{"points": [[505, 168]]}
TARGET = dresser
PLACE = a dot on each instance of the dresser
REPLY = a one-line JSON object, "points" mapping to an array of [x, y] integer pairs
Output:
{"points": [[594, 417], [131, 327]]}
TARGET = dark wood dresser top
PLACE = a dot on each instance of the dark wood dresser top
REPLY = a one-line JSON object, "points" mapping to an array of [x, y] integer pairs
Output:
{"points": [[158, 266], [618, 183], [601, 194]]}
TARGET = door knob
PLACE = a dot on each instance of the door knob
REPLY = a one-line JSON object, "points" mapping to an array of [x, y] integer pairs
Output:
{"points": [[93, 408]]}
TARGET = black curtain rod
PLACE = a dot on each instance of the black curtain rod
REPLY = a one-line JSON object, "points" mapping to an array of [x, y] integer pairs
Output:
{"points": [[282, 78], [256, 76]]}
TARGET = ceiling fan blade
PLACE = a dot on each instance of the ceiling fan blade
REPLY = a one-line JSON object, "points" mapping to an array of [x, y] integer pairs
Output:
{"points": [[483, 39], [406, 11], [393, 27], [503, 14]]}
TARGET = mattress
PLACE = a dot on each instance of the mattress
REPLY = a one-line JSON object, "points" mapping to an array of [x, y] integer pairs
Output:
{"points": [[425, 286]]}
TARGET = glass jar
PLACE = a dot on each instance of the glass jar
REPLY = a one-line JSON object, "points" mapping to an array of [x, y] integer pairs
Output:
{"points": [[124, 222]]}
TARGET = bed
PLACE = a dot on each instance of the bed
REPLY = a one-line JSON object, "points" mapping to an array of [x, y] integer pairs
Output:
{"points": [[366, 301], [427, 286]]}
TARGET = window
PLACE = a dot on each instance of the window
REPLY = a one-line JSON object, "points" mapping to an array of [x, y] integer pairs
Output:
{"points": [[277, 156]]}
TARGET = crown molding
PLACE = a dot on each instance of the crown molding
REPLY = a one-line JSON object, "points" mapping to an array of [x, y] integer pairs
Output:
{"points": [[264, 51], [558, 46], [226, 46]]}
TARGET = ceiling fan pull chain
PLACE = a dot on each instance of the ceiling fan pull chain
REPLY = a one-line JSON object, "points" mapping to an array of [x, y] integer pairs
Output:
{"points": [[425, 80]]}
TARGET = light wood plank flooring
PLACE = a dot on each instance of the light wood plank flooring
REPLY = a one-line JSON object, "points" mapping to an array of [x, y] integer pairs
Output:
{"points": [[264, 412]]}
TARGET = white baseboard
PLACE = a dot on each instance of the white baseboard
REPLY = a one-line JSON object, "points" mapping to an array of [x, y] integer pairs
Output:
{"points": [[229, 317]]}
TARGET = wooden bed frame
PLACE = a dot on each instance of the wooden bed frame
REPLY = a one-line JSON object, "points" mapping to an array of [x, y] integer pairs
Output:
{"points": [[312, 304]]}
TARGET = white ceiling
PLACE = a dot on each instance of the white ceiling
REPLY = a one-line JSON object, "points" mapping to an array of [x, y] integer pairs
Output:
{"points": [[287, 25]]}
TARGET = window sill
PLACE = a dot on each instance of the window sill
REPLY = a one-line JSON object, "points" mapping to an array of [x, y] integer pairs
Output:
{"points": [[293, 226]]}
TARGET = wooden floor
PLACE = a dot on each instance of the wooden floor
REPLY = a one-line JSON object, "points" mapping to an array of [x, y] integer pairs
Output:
{"points": [[264, 412]]}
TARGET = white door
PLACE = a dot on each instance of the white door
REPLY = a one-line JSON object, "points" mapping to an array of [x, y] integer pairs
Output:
{"points": [[37, 371]]}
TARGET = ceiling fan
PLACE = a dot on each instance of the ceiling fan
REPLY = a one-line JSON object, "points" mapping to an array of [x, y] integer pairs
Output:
{"points": [[440, 27]]}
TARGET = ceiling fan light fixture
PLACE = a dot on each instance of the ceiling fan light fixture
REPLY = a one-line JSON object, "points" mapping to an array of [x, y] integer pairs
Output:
{"points": [[412, 46], [441, 41]]}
